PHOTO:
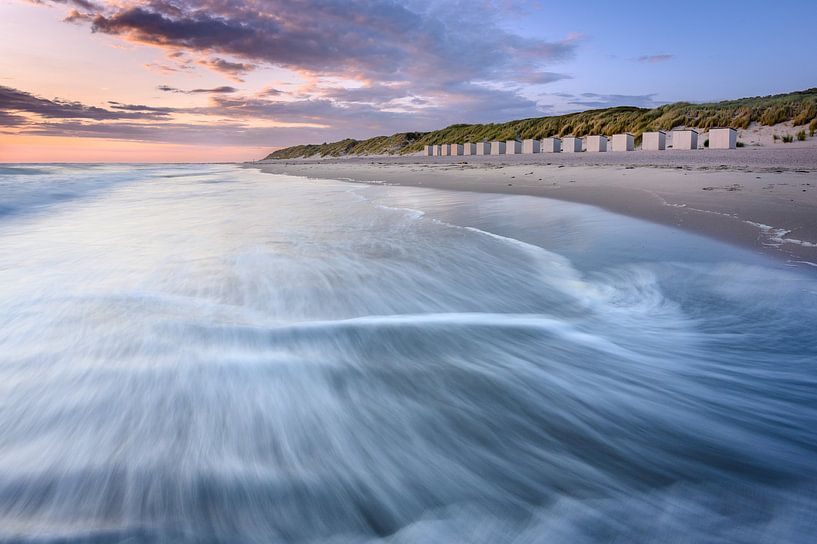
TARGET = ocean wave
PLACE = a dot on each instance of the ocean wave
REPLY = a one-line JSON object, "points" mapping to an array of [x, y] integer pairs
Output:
{"points": [[293, 362]]}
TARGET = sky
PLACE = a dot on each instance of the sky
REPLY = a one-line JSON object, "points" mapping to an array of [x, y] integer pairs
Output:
{"points": [[230, 80]]}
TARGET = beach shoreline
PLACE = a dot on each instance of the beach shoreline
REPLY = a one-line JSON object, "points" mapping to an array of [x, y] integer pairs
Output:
{"points": [[761, 199]]}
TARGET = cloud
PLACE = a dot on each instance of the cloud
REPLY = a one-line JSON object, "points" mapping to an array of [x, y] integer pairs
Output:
{"points": [[16, 101], [270, 91], [24, 113], [215, 90], [371, 67], [166, 69], [178, 133], [233, 70], [375, 40], [542, 78], [139, 107], [654, 59], [10, 120], [241, 119], [76, 17], [82, 4], [361, 114], [595, 100]]}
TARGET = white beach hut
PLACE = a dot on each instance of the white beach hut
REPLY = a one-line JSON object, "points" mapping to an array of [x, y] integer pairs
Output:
{"points": [[654, 141], [530, 146], [623, 142], [685, 139], [428, 150], [483, 148], [457, 149], [497, 148], [469, 149], [571, 144], [551, 145], [435, 150], [513, 147], [445, 150], [723, 138], [597, 144]]}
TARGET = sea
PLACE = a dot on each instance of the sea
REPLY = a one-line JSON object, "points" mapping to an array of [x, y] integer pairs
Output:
{"points": [[209, 353]]}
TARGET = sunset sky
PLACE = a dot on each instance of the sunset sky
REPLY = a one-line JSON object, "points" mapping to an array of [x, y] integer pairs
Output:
{"points": [[214, 80]]}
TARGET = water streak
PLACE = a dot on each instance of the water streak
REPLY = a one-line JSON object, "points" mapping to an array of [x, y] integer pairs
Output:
{"points": [[211, 354]]}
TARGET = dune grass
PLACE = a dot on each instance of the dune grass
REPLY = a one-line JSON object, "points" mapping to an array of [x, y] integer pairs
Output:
{"points": [[798, 107]]}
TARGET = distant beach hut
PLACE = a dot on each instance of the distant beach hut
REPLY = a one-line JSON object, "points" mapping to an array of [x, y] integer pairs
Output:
{"points": [[457, 149], [469, 149], [654, 141], [530, 146], [435, 150], [723, 138], [571, 144], [428, 150], [685, 139], [623, 142], [513, 147], [551, 145], [445, 150], [483, 148], [597, 144], [497, 148]]}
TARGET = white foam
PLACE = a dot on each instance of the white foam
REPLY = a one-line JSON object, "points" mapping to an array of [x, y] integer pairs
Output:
{"points": [[775, 236], [559, 327], [779, 236]]}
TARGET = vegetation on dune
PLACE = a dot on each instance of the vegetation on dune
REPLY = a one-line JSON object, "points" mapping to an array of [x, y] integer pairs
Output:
{"points": [[379, 145], [798, 107]]}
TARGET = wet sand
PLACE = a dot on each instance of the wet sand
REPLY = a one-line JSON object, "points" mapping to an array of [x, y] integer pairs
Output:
{"points": [[764, 199]]}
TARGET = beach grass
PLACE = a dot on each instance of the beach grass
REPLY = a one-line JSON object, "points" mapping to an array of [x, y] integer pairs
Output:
{"points": [[800, 108]]}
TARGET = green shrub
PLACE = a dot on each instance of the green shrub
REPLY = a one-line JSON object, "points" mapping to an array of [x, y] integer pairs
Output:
{"points": [[740, 144], [775, 115], [788, 138], [706, 142], [775, 137], [807, 112], [801, 136]]}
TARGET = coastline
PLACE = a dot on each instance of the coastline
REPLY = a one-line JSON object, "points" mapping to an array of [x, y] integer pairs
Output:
{"points": [[761, 199]]}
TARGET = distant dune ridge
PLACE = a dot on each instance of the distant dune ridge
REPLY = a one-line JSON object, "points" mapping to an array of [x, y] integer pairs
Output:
{"points": [[797, 108]]}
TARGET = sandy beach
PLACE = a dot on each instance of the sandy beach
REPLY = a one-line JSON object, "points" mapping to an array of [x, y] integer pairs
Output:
{"points": [[761, 198]]}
